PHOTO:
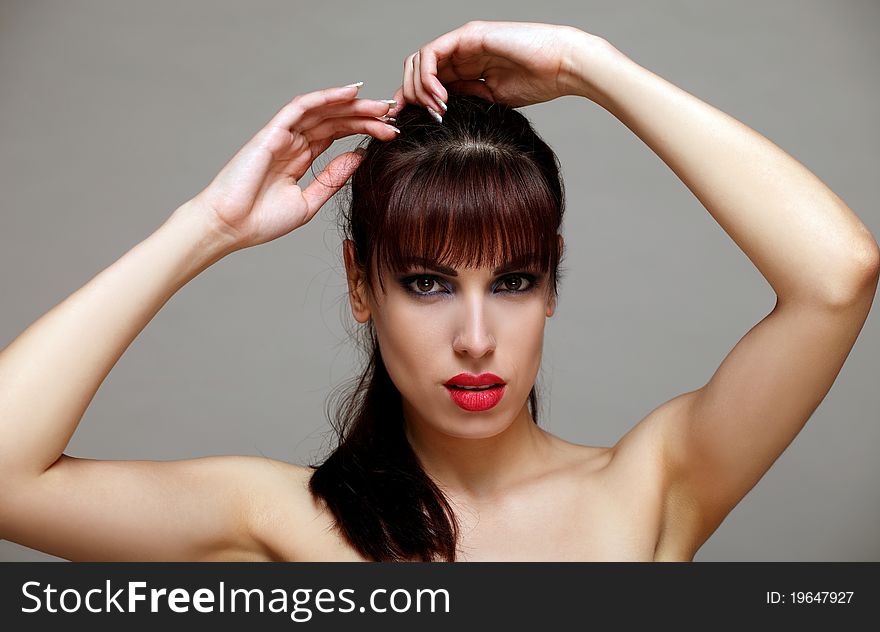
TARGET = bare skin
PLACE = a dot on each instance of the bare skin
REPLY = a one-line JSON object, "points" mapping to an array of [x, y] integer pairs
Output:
{"points": [[658, 494], [589, 505]]}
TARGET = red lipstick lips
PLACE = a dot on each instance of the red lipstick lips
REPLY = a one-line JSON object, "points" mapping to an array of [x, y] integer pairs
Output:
{"points": [[472, 399], [469, 379]]}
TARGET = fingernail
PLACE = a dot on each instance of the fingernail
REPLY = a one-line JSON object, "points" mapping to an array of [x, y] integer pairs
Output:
{"points": [[435, 114], [440, 102], [354, 85], [385, 117], [388, 101], [392, 127]]}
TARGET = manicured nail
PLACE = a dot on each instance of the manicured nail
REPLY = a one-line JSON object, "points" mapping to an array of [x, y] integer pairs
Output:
{"points": [[392, 127], [388, 101], [385, 117], [435, 114], [440, 102], [354, 85]]}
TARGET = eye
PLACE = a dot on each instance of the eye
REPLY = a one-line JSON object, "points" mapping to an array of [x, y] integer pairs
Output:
{"points": [[420, 284], [514, 283]]}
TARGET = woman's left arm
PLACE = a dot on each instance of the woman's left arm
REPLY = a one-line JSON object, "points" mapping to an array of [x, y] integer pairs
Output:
{"points": [[801, 236], [817, 255]]}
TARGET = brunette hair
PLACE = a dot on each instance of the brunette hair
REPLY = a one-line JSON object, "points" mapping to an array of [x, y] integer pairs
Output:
{"points": [[479, 189]]}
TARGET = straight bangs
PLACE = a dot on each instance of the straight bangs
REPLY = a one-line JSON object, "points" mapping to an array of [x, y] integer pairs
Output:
{"points": [[468, 207]]}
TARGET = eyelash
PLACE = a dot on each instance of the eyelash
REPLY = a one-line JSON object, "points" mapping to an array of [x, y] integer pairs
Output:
{"points": [[407, 281]]}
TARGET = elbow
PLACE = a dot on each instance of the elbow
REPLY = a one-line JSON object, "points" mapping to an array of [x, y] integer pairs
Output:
{"points": [[859, 280], [866, 266]]}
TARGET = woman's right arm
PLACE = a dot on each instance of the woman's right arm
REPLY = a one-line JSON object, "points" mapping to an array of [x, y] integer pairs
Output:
{"points": [[109, 510], [84, 509]]}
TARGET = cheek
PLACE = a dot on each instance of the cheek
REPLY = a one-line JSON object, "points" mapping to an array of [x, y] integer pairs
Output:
{"points": [[409, 341], [521, 339]]}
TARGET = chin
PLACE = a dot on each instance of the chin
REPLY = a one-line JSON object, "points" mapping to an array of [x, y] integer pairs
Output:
{"points": [[475, 426]]}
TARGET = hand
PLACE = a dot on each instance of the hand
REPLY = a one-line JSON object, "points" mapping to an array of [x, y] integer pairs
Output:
{"points": [[255, 197], [517, 63]]}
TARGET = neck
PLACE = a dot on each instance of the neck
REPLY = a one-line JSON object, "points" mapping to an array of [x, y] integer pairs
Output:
{"points": [[481, 467]]}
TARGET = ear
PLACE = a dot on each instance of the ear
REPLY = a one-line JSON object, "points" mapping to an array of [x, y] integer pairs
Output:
{"points": [[551, 302], [551, 306], [356, 284]]}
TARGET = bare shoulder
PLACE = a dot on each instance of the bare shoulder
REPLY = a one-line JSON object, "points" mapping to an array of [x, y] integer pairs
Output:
{"points": [[641, 455]]}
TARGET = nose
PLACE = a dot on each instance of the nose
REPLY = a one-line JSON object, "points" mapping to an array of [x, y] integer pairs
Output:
{"points": [[474, 336]]}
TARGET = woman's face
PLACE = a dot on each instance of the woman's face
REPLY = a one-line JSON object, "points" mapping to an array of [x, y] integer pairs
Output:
{"points": [[434, 324]]}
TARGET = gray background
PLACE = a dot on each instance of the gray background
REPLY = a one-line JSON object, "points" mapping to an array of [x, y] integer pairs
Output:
{"points": [[115, 113]]}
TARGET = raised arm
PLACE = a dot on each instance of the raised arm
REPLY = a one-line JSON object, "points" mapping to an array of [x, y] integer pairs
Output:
{"points": [[802, 237], [51, 371], [83, 509], [817, 255], [196, 509]]}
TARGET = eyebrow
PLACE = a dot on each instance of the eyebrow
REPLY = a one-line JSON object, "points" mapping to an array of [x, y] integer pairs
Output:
{"points": [[518, 262]]}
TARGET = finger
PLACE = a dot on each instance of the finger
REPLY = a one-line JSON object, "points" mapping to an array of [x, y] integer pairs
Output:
{"points": [[421, 94], [401, 102], [355, 107], [409, 93], [428, 75], [277, 140], [321, 137], [329, 181], [340, 127], [300, 104], [464, 42]]}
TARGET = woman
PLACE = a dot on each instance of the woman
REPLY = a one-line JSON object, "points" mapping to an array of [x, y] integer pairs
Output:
{"points": [[442, 210]]}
